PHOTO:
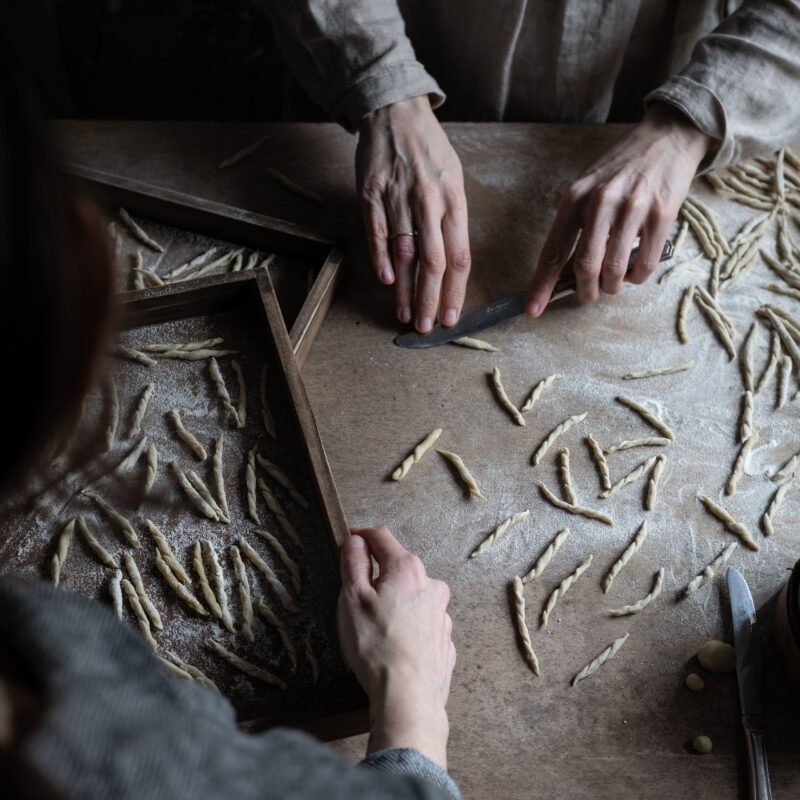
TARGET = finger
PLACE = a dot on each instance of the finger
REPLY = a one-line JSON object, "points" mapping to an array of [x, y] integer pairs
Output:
{"points": [[377, 229], [589, 256], [555, 254], [455, 233], [618, 252], [432, 264], [383, 546], [404, 255], [653, 236], [355, 564]]}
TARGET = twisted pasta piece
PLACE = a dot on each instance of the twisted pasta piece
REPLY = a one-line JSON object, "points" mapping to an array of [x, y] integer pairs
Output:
{"points": [[746, 359], [648, 416], [136, 582], [416, 454], [194, 672], [245, 666], [652, 484], [524, 634], [241, 409], [245, 598], [152, 468], [138, 612], [783, 386], [651, 373], [115, 590], [738, 465], [217, 579], [598, 662], [288, 561], [95, 546], [644, 602], [632, 476], [463, 472], [566, 478], [192, 493], [219, 477], [582, 511], [276, 508], [141, 410], [475, 344], [788, 469], [280, 477], [60, 556], [502, 396], [545, 558], [124, 524], [186, 436], [498, 532], [730, 523], [113, 415], [139, 232], [538, 389], [555, 433], [310, 657], [628, 444], [178, 587], [708, 573], [280, 626], [250, 480], [222, 389], [600, 460], [205, 586], [716, 323], [162, 545], [746, 427], [766, 520], [683, 311], [627, 554], [265, 569], [563, 588]]}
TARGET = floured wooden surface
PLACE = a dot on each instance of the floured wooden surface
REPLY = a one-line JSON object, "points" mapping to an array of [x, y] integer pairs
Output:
{"points": [[29, 538], [625, 731]]}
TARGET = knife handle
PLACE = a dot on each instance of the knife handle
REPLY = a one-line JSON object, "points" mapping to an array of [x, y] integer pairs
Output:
{"points": [[758, 774], [568, 285]]}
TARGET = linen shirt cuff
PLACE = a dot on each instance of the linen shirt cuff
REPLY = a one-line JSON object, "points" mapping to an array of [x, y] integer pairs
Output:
{"points": [[704, 110], [396, 83], [407, 761]]}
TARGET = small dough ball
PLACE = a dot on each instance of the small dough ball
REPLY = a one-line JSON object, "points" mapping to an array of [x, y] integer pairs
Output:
{"points": [[702, 744], [695, 682], [717, 656]]}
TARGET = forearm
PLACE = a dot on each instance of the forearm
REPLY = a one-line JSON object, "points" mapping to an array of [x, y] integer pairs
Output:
{"points": [[351, 56], [742, 84]]}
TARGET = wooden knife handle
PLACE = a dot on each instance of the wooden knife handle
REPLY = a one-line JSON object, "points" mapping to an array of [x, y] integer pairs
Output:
{"points": [[758, 773], [567, 285]]}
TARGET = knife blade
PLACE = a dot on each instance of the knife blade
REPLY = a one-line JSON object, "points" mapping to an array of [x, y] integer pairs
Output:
{"points": [[747, 645], [497, 311]]}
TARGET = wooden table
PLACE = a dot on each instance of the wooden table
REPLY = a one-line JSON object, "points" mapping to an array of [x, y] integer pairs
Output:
{"points": [[626, 731]]}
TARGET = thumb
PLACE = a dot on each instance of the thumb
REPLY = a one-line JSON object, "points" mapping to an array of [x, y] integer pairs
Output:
{"points": [[355, 564]]}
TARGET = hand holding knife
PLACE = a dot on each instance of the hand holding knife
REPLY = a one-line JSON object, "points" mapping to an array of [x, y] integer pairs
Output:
{"points": [[498, 311]]}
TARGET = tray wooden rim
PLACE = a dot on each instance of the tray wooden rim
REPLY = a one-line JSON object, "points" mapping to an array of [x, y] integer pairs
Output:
{"points": [[208, 217], [255, 289]]}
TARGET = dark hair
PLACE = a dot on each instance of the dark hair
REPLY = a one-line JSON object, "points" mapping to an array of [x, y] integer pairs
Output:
{"points": [[55, 282]]}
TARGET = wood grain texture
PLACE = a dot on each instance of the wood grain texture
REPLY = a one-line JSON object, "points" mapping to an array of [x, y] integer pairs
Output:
{"points": [[631, 737]]}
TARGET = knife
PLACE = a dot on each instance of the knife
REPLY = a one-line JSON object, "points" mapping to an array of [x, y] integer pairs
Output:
{"points": [[748, 671], [497, 311]]}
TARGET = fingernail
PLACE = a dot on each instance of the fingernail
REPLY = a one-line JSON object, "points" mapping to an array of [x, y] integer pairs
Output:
{"points": [[357, 541], [405, 315], [449, 317], [386, 276], [425, 324], [532, 309]]}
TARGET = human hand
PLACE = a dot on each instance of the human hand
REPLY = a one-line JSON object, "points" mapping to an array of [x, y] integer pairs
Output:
{"points": [[409, 179], [395, 635], [635, 189]]}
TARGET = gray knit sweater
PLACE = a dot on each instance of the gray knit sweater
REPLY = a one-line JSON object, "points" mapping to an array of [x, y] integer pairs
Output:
{"points": [[112, 724]]}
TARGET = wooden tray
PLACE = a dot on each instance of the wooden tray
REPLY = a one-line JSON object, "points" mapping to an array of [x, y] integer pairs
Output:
{"points": [[243, 308], [300, 249]]}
